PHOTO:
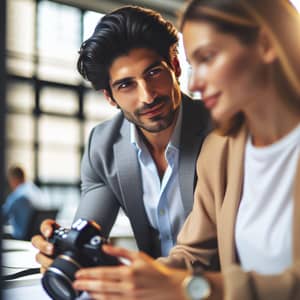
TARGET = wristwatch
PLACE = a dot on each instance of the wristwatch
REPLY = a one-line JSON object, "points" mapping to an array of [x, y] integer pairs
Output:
{"points": [[196, 287]]}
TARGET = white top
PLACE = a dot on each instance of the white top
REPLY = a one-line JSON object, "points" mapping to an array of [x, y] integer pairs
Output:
{"points": [[263, 231]]}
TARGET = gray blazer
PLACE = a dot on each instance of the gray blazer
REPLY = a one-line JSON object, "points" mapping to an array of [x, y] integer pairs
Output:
{"points": [[111, 176]]}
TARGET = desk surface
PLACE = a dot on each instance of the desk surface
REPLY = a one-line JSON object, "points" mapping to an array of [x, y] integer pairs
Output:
{"points": [[18, 256], [9, 245]]}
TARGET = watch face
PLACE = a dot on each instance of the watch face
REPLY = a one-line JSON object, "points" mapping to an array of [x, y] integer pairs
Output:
{"points": [[198, 288]]}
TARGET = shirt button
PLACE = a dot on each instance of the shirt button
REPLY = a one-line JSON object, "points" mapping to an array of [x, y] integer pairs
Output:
{"points": [[162, 212], [167, 238]]}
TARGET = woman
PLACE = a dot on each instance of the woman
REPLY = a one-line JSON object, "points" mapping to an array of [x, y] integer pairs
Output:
{"points": [[245, 61]]}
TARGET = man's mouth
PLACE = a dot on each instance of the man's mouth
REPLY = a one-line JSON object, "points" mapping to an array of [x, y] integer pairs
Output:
{"points": [[153, 110]]}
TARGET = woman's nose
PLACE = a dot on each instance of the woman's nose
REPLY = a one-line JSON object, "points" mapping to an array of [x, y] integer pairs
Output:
{"points": [[196, 81]]}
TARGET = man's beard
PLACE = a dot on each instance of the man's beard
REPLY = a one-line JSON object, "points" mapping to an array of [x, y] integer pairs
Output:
{"points": [[161, 122]]}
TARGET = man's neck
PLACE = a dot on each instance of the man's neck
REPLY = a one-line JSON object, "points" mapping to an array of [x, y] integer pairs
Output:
{"points": [[157, 144], [158, 141]]}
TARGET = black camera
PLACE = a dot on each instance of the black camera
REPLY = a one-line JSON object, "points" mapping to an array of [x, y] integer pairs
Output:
{"points": [[75, 248]]}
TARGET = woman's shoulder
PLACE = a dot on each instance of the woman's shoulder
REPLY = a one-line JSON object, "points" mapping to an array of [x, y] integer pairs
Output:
{"points": [[216, 145]]}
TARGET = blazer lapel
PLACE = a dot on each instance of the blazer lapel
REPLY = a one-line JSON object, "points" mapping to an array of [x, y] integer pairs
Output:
{"points": [[296, 217], [235, 175], [195, 127], [131, 187]]}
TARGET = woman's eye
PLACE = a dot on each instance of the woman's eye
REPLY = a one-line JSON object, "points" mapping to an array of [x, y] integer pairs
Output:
{"points": [[206, 57]]}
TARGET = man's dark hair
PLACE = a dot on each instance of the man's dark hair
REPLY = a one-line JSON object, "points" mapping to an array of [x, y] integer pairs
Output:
{"points": [[16, 172], [117, 33]]}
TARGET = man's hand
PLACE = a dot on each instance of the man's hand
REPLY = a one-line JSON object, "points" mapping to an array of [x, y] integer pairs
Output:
{"points": [[46, 249], [144, 279]]}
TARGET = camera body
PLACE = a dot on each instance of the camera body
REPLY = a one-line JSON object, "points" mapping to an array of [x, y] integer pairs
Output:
{"points": [[83, 241], [75, 248]]}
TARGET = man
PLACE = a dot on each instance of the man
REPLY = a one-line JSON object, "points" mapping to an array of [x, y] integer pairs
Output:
{"points": [[142, 160], [18, 207]]}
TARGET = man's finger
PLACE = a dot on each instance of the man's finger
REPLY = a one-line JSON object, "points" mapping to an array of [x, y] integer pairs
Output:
{"points": [[41, 244], [47, 227]]}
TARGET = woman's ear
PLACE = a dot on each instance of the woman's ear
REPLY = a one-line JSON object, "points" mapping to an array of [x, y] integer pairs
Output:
{"points": [[109, 99], [267, 47]]}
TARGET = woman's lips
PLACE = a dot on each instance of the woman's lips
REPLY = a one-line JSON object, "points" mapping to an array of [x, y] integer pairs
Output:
{"points": [[211, 101]]}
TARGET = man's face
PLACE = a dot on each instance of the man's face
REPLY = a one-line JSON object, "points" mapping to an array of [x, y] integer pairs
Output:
{"points": [[13, 182], [145, 88]]}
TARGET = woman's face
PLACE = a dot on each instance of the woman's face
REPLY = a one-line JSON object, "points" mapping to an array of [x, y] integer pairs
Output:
{"points": [[226, 72]]}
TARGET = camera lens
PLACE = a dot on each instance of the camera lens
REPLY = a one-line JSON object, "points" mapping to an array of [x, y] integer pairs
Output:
{"points": [[58, 279], [59, 288]]}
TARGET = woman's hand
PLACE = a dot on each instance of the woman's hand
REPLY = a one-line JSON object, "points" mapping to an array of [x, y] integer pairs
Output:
{"points": [[144, 279]]}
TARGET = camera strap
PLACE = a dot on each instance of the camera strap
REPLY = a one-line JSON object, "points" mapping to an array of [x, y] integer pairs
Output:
{"points": [[21, 274]]}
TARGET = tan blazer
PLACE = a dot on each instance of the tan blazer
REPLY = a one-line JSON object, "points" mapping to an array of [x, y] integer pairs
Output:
{"points": [[217, 196]]}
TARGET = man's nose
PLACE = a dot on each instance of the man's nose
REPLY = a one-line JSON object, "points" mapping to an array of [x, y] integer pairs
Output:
{"points": [[147, 92]]}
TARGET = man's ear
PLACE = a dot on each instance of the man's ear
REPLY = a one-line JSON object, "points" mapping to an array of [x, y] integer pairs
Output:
{"points": [[176, 66], [109, 98], [267, 48]]}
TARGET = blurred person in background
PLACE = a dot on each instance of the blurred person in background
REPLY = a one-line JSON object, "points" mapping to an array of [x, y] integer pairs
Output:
{"points": [[19, 204]]}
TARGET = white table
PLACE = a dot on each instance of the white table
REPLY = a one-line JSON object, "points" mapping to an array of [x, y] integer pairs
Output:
{"points": [[18, 256]]}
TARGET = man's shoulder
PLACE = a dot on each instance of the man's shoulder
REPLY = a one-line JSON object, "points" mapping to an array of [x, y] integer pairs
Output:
{"points": [[106, 135], [112, 123], [109, 128]]}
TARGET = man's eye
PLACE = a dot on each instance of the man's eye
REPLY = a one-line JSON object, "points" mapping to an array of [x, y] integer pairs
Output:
{"points": [[124, 85], [154, 72]]}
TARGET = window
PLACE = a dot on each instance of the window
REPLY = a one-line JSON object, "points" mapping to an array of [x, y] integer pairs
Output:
{"points": [[57, 43], [58, 100], [20, 37], [50, 109]]}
